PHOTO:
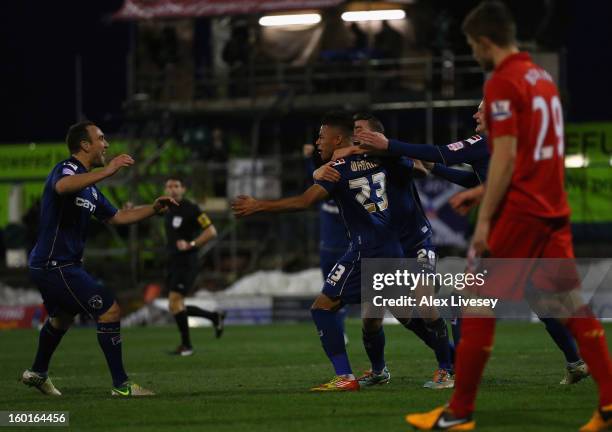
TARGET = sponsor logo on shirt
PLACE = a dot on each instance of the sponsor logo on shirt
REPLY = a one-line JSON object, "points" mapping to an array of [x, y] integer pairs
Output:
{"points": [[86, 204], [500, 110]]}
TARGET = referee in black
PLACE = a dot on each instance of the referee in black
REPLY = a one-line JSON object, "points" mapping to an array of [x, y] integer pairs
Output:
{"points": [[187, 229]]}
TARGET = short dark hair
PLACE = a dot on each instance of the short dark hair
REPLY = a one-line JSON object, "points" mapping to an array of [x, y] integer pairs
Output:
{"points": [[177, 177], [374, 123], [491, 19], [76, 133], [341, 120]]}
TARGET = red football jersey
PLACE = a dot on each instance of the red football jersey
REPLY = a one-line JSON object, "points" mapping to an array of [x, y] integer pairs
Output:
{"points": [[522, 100]]}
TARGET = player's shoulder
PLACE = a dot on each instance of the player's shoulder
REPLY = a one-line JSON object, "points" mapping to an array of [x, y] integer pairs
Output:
{"points": [[66, 167]]}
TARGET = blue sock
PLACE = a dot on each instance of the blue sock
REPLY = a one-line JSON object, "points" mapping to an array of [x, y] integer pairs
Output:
{"points": [[439, 334], [341, 316], [456, 330], [563, 338], [374, 344], [332, 339], [109, 338], [48, 340]]}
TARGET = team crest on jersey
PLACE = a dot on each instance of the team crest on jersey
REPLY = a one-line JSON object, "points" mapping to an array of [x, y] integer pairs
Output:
{"points": [[338, 162], [500, 110], [455, 146], [94, 192], [177, 221], [95, 302]]}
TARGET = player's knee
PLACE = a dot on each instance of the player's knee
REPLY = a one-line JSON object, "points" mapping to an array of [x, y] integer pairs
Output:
{"points": [[113, 314], [175, 303], [61, 322], [371, 325], [323, 302]]}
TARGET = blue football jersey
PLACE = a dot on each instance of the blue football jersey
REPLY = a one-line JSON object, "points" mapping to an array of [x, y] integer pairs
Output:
{"points": [[407, 212], [361, 197], [64, 219]]}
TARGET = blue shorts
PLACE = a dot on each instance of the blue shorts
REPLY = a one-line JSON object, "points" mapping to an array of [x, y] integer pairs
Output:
{"points": [[71, 290], [425, 254], [328, 259], [344, 280]]}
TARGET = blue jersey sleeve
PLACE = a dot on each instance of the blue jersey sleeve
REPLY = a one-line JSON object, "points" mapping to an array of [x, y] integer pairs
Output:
{"points": [[62, 170], [466, 151], [330, 187], [104, 209], [463, 178], [424, 152]]}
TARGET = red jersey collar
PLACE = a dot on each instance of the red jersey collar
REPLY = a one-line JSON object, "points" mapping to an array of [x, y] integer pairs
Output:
{"points": [[519, 56]]}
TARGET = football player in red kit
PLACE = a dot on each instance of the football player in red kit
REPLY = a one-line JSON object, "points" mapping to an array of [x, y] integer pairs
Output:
{"points": [[524, 212]]}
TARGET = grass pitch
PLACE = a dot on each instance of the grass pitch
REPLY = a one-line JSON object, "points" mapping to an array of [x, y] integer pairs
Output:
{"points": [[257, 379]]}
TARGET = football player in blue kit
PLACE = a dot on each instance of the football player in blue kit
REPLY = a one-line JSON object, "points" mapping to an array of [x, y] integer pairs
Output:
{"points": [[333, 241], [361, 197], [70, 198], [474, 152], [414, 232]]}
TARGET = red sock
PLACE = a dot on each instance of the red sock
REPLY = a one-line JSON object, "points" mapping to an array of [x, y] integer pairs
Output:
{"points": [[591, 340], [474, 349]]}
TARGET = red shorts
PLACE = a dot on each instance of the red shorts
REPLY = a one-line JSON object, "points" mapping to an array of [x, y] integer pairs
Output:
{"points": [[529, 252]]}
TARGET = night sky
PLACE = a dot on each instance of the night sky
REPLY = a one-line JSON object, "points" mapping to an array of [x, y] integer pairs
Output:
{"points": [[41, 39]]}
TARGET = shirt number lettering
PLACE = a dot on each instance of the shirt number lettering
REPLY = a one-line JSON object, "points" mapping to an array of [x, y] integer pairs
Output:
{"points": [[364, 195], [541, 151]]}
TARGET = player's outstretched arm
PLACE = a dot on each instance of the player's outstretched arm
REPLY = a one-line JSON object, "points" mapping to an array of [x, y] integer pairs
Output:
{"points": [[136, 214], [467, 179], [464, 201], [245, 205], [74, 183]]}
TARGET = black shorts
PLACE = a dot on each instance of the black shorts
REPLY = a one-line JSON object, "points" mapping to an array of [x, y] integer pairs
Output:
{"points": [[182, 272]]}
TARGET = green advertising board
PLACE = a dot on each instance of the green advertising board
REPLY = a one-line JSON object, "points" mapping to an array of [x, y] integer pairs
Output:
{"points": [[589, 187], [29, 165]]}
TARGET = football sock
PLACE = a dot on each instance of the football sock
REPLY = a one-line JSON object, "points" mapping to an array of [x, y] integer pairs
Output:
{"points": [[48, 340], [196, 311], [183, 326], [472, 355], [341, 316], [456, 330], [563, 338], [591, 339], [109, 339], [332, 339], [374, 344], [439, 337]]}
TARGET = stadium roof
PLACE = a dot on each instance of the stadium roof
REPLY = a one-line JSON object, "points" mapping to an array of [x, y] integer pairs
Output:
{"points": [[150, 9]]}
